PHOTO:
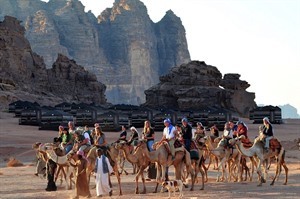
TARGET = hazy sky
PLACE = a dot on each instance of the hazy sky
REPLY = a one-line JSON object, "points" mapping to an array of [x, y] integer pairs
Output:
{"points": [[259, 39]]}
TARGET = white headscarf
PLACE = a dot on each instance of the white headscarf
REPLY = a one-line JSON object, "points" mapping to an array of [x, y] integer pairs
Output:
{"points": [[134, 129]]}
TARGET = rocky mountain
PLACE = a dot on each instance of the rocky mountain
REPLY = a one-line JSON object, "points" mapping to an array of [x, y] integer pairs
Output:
{"points": [[196, 85], [122, 46], [24, 76]]}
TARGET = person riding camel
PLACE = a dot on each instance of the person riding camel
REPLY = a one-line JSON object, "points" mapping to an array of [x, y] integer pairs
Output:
{"points": [[81, 142], [168, 135], [267, 132], [186, 130], [199, 134], [227, 135], [241, 130], [134, 137], [123, 134]]}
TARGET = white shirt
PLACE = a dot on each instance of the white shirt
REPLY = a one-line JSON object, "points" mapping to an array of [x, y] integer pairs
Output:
{"points": [[87, 136], [227, 133], [169, 134]]}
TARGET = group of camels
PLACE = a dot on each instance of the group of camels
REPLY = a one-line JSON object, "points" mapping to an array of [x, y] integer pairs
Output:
{"points": [[234, 159]]}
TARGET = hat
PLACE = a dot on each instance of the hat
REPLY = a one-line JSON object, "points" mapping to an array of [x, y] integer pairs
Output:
{"points": [[167, 120], [184, 120], [80, 153]]}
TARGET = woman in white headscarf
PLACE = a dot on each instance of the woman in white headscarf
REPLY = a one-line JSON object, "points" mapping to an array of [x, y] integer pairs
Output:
{"points": [[267, 131], [134, 135]]}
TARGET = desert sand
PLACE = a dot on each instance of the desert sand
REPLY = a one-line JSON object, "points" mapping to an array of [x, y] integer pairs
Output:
{"points": [[20, 182]]}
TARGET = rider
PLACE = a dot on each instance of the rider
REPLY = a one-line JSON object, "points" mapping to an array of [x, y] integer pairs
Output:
{"points": [[200, 133], [227, 135], [168, 135], [123, 134], [187, 134], [100, 141], [81, 141], [67, 140], [148, 135], [241, 130], [134, 136], [267, 131]]}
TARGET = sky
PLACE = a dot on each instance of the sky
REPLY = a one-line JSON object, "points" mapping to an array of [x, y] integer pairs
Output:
{"points": [[258, 39]]}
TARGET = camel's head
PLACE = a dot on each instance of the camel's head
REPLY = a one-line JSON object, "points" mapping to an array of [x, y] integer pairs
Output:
{"points": [[236, 140], [36, 145], [120, 145]]}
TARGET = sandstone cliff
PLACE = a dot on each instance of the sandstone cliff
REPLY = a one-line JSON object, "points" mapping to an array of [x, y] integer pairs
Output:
{"points": [[122, 46], [23, 73], [196, 85]]}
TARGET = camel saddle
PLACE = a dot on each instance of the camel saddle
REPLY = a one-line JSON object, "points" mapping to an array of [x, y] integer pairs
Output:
{"points": [[274, 144], [246, 143]]}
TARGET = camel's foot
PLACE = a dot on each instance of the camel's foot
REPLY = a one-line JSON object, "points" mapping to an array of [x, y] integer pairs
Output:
{"points": [[272, 184], [186, 185], [259, 185], [136, 191], [191, 189], [202, 188], [285, 183], [263, 180]]}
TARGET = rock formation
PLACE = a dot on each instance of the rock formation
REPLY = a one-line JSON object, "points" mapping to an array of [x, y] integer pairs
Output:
{"points": [[23, 73], [122, 46], [196, 85]]}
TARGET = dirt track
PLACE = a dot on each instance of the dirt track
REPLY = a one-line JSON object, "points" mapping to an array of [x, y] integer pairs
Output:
{"points": [[19, 182]]}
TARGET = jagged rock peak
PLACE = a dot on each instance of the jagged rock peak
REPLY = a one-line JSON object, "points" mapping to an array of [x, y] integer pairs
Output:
{"points": [[119, 7], [232, 81], [12, 24]]}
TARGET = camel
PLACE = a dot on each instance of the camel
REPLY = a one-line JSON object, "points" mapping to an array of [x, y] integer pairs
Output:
{"points": [[229, 156], [161, 157], [258, 150], [198, 165], [48, 151], [113, 154], [138, 159]]}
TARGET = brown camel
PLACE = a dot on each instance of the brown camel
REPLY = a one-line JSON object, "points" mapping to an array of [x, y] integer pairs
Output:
{"points": [[161, 156], [258, 150], [138, 159], [113, 154]]}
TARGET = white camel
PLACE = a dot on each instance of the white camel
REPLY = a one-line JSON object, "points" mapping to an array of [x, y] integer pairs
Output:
{"points": [[48, 152], [258, 150]]}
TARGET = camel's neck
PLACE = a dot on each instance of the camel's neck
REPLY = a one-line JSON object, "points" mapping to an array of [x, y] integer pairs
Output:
{"points": [[246, 152], [152, 156], [214, 150], [57, 159], [130, 157]]}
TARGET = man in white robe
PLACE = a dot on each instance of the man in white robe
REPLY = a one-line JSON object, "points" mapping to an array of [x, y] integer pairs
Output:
{"points": [[102, 171]]}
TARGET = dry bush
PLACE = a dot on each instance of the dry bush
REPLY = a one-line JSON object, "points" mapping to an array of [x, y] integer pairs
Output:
{"points": [[14, 163]]}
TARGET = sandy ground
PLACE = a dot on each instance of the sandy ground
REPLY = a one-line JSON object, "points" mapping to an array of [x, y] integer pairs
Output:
{"points": [[19, 182]]}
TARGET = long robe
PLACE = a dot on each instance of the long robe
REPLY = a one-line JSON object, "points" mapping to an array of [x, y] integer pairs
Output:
{"points": [[82, 186], [102, 179]]}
